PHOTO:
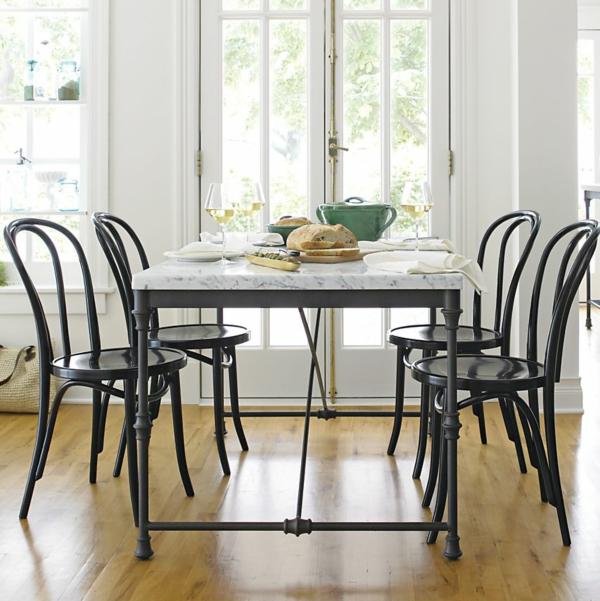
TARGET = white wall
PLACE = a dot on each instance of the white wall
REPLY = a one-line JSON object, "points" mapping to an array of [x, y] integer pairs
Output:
{"points": [[523, 152]]}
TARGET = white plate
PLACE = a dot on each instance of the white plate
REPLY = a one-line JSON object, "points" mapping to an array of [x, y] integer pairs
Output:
{"points": [[203, 257]]}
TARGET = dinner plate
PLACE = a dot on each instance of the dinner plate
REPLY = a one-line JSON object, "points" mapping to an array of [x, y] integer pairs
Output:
{"points": [[203, 257]]}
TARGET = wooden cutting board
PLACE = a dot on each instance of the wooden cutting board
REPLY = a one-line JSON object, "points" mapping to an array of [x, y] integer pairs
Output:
{"points": [[333, 259]]}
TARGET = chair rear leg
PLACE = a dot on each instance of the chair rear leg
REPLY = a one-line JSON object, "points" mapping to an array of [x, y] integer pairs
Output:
{"points": [[130, 402], [426, 393], [120, 451], [38, 445], [516, 438], [478, 410], [442, 491], [50, 432], [219, 410], [175, 387], [94, 446], [235, 400], [103, 415], [399, 405], [434, 461]]}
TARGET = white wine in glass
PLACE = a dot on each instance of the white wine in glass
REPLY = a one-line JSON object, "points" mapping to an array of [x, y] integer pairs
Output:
{"points": [[417, 209], [220, 210], [250, 205]]}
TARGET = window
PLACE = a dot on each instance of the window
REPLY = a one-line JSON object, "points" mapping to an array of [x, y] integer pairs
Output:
{"points": [[53, 125]]}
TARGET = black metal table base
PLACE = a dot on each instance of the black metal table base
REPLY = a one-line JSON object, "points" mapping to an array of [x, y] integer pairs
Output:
{"points": [[299, 525]]}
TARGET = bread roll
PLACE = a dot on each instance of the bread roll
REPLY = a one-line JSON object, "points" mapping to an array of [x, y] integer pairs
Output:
{"points": [[317, 236], [293, 221]]}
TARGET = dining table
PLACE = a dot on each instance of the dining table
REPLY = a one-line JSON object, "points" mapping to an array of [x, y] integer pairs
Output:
{"points": [[237, 284]]}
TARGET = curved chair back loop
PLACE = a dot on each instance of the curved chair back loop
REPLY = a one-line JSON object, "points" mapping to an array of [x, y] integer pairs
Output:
{"points": [[109, 230], [505, 303], [40, 228], [566, 289]]}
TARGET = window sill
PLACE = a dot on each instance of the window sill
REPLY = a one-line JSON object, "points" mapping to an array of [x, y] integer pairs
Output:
{"points": [[14, 301]]}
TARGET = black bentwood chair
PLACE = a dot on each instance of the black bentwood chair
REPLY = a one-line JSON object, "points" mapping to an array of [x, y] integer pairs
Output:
{"points": [[89, 369], [487, 377], [218, 338], [431, 339]]}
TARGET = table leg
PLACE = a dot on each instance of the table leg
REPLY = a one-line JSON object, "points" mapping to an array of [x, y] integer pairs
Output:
{"points": [[588, 275], [451, 424], [143, 425]]}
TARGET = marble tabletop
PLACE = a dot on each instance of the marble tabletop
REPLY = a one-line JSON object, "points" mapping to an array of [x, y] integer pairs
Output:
{"points": [[240, 275]]}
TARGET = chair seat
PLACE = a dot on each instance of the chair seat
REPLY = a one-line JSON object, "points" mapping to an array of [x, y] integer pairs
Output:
{"points": [[435, 338], [199, 336], [116, 364], [482, 373]]}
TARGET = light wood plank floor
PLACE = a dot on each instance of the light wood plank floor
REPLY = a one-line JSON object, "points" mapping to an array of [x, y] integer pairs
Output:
{"points": [[78, 542]]}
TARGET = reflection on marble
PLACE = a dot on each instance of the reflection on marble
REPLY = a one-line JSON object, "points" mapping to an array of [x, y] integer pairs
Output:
{"points": [[239, 275]]}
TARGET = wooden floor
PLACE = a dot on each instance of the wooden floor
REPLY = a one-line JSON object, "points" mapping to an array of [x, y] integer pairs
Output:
{"points": [[78, 542]]}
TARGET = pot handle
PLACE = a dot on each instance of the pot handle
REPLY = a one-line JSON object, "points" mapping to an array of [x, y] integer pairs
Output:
{"points": [[393, 214], [355, 200], [321, 216]]}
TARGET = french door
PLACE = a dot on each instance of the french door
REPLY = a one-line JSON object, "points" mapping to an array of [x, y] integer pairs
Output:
{"points": [[320, 100]]}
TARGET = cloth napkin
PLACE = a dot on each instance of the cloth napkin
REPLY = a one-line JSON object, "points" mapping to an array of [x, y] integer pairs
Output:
{"points": [[197, 247], [427, 244], [428, 262], [238, 241]]}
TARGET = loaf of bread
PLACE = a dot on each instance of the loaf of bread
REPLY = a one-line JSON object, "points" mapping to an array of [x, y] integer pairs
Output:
{"points": [[317, 236], [287, 220]]}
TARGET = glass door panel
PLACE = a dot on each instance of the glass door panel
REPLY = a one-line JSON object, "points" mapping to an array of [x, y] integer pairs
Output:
{"points": [[391, 56], [262, 121]]}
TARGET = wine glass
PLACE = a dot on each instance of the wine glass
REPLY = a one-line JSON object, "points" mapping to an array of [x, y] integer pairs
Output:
{"points": [[418, 208], [250, 204], [218, 207]]}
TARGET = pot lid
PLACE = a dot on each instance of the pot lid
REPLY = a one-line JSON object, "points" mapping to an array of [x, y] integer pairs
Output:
{"points": [[355, 202]]}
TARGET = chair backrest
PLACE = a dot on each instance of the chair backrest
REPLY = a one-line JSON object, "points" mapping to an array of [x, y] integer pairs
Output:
{"points": [[113, 233], [504, 306], [42, 228], [579, 241]]}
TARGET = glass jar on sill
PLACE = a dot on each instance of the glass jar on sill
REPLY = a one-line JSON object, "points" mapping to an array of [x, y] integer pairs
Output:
{"points": [[68, 80], [15, 191], [29, 87], [68, 195]]}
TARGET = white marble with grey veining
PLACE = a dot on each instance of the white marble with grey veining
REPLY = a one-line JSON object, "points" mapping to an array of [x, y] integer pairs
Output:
{"points": [[240, 275]]}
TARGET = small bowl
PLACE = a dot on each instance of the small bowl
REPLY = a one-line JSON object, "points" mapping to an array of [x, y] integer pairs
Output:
{"points": [[283, 230]]}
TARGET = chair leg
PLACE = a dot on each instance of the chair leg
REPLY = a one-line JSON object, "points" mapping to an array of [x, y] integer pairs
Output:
{"points": [[103, 415], [434, 461], [442, 491], [479, 412], [175, 387], [120, 451], [130, 403], [559, 502], [399, 406], [49, 432], [219, 411], [96, 411], [235, 400], [516, 438], [426, 392], [39, 442]]}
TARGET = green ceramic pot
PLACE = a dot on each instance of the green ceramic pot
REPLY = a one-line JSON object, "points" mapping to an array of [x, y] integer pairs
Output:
{"points": [[366, 220], [283, 230]]}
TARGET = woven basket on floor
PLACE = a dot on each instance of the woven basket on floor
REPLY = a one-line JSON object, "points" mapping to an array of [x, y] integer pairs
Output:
{"points": [[20, 380]]}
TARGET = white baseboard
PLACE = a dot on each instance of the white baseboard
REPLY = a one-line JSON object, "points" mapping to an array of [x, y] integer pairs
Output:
{"points": [[569, 396]]}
